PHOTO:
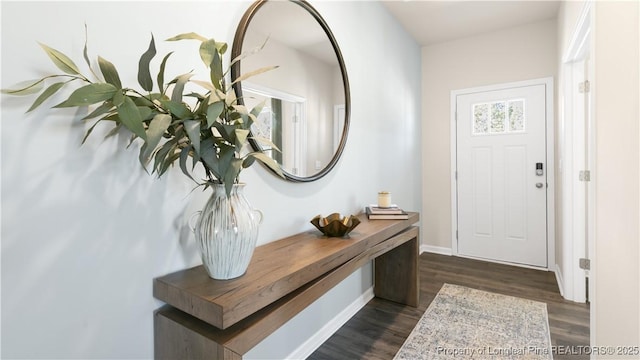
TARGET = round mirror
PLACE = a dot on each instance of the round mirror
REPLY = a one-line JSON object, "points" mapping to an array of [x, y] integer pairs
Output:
{"points": [[306, 99]]}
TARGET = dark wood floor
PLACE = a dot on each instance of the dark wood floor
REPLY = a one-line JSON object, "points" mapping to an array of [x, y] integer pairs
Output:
{"points": [[379, 329]]}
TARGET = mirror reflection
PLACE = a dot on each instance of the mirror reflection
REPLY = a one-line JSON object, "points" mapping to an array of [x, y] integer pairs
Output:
{"points": [[305, 98]]}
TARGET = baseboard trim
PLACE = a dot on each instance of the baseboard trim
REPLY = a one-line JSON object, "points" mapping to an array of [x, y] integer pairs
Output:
{"points": [[314, 342], [436, 250]]}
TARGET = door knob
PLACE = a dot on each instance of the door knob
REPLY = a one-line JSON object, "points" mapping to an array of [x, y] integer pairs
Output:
{"points": [[539, 185]]}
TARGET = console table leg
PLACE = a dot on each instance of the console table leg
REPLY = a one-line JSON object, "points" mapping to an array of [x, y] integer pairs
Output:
{"points": [[173, 340], [397, 275]]}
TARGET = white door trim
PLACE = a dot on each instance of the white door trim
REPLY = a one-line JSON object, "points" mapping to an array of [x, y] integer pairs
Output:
{"points": [[573, 159], [548, 83]]}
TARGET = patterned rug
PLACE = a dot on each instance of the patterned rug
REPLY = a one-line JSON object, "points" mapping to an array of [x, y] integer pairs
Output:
{"points": [[465, 323]]}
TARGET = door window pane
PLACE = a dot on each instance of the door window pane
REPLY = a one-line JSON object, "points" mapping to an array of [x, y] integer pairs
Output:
{"points": [[480, 118], [516, 115], [498, 116]]}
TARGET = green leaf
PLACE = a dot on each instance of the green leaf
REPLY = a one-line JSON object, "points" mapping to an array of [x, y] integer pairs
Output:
{"points": [[180, 81], [245, 76], [265, 141], [231, 175], [168, 157], [46, 94], [143, 158], [202, 105], [104, 108], [241, 137], [161, 72], [145, 112], [129, 115], [192, 127], [85, 50], [147, 100], [61, 60], [217, 76], [253, 115], [208, 49], [242, 117], [213, 112], [180, 110], [198, 96], [226, 131], [222, 47], [257, 109], [89, 94], [118, 98], [184, 155], [113, 131], [112, 117], [230, 97], [187, 36], [194, 161], [217, 95], [168, 161], [144, 75], [233, 117], [86, 135], [195, 157], [204, 84], [109, 72], [158, 125], [209, 156], [248, 161], [242, 110], [25, 88], [227, 152], [265, 159], [162, 154]]}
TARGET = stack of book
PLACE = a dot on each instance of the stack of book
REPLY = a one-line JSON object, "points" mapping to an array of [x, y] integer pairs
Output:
{"points": [[393, 212]]}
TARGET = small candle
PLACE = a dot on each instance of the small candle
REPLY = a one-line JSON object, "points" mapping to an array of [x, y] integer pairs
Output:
{"points": [[384, 199]]}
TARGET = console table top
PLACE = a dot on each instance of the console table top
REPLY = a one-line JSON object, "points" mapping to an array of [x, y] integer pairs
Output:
{"points": [[276, 269]]}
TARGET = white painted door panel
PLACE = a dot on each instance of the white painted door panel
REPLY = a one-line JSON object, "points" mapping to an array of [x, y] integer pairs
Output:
{"points": [[501, 200]]}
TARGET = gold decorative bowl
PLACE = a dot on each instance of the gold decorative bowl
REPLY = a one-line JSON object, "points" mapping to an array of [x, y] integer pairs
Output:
{"points": [[335, 225]]}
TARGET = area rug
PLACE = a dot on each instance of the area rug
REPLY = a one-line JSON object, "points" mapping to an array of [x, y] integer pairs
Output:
{"points": [[465, 323]]}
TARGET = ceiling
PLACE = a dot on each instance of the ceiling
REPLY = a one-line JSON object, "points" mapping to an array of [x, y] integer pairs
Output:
{"points": [[431, 22]]}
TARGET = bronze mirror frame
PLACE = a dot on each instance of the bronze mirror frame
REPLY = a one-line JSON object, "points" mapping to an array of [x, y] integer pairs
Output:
{"points": [[236, 73]]}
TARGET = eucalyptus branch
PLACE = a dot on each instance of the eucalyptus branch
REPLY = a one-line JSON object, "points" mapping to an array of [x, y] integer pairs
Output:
{"points": [[85, 79], [212, 133], [184, 142], [85, 52], [148, 98], [24, 90]]}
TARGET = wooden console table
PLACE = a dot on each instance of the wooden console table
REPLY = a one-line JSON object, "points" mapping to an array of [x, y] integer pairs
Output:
{"points": [[224, 319]]}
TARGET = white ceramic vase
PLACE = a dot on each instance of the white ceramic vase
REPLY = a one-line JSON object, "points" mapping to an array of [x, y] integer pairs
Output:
{"points": [[226, 232]]}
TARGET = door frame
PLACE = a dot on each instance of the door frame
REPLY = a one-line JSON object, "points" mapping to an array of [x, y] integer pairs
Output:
{"points": [[550, 161], [575, 157]]}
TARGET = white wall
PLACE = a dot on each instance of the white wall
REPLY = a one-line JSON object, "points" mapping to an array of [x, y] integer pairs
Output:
{"points": [[617, 92], [520, 53], [85, 230]]}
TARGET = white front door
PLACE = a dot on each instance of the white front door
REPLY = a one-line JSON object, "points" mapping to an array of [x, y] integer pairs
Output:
{"points": [[502, 175]]}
